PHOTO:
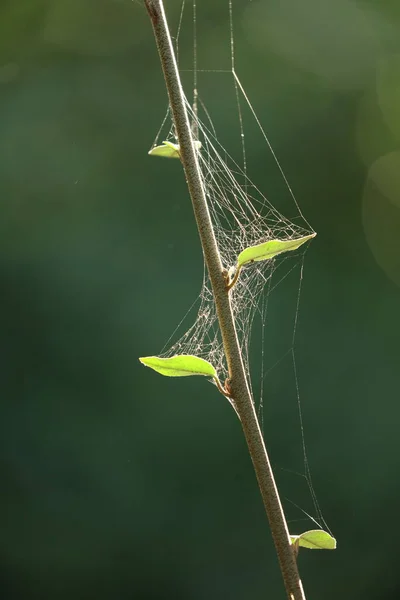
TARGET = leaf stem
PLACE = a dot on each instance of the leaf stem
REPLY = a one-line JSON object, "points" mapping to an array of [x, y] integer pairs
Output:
{"points": [[221, 388], [234, 279], [238, 385]]}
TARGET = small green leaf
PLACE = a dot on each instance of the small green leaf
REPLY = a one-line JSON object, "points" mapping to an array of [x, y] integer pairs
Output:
{"points": [[270, 249], [180, 366], [315, 539], [169, 150]]}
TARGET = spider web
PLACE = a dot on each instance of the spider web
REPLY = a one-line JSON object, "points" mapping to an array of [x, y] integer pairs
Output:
{"points": [[242, 216]]}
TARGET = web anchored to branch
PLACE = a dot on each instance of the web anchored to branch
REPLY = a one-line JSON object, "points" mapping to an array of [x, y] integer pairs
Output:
{"points": [[242, 218]]}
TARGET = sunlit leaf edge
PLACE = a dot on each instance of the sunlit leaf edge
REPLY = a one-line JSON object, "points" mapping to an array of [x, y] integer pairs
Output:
{"points": [[181, 365], [315, 539]]}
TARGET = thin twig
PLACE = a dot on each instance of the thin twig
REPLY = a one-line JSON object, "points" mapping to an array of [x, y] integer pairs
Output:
{"points": [[238, 385]]}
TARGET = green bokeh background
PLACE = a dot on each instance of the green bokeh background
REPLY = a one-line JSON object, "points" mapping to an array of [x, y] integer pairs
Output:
{"points": [[118, 483]]}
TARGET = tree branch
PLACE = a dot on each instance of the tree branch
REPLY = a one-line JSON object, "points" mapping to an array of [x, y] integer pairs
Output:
{"points": [[238, 384]]}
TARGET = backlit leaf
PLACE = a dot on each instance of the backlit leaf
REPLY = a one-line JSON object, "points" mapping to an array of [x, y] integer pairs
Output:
{"points": [[315, 539], [169, 150], [180, 366], [269, 249]]}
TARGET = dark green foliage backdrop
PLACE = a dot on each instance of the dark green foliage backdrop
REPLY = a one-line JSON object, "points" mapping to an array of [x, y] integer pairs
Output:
{"points": [[118, 483]]}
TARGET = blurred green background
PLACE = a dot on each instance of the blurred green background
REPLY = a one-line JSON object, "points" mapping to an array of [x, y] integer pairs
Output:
{"points": [[116, 482]]}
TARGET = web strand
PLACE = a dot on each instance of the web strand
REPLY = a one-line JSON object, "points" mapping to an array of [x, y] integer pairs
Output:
{"points": [[235, 83], [195, 93]]}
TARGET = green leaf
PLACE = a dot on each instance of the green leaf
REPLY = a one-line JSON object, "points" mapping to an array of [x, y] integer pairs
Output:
{"points": [[315, 539], [180, 366], [169, 150], [270, 249]]}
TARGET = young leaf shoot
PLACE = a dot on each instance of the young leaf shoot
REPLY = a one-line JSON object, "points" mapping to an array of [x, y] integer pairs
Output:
{"points": [[169, 150], [315, 539], [266, 251], [270, 249], [180, 366]]}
